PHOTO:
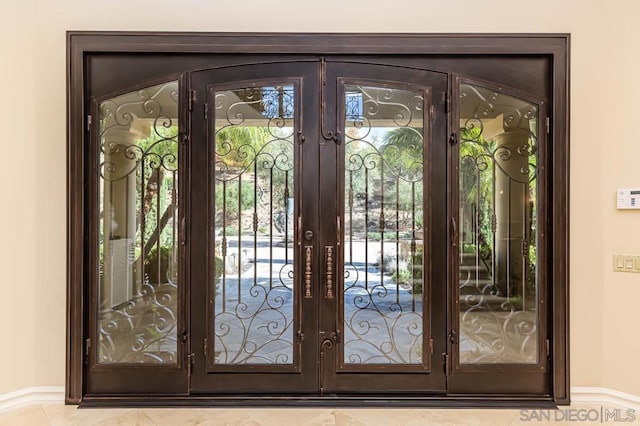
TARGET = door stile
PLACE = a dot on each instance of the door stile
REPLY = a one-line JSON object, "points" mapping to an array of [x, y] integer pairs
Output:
{"points": [[252, 287], [337, 374]]}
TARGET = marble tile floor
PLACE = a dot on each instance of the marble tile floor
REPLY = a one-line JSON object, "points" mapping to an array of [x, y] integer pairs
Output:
{"points": [[70, 415]]}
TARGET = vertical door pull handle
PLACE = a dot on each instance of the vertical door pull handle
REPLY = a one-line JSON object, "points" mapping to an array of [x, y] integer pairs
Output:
{"points": [[328, 258], [308, 251]]}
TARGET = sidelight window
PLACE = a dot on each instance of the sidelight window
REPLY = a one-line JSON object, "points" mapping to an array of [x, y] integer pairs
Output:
{"points": [[498, 278], [138, 244]]}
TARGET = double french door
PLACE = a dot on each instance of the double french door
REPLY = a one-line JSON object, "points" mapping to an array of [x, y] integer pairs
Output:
{"points": [[304, 226], [323, 239]]}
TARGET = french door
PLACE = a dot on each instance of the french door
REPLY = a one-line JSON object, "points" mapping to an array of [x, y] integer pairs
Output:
{"points": [[318, 229], [297, 227]]}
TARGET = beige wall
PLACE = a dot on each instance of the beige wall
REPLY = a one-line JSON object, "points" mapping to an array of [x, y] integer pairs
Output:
{"points": [[605, 151]]}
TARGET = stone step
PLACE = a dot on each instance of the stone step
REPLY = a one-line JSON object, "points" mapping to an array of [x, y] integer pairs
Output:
{"points": [[487, 301], [470, 259], [472, 271], [482, 286]]}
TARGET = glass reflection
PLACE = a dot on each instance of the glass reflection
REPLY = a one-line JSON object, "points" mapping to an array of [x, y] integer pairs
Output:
{"points": [[138, 252], [498, 285]]}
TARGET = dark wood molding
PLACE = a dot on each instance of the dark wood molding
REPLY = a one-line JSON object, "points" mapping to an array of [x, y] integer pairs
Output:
{"points": [[345, 401], [75, 221], [82, 44], [559, 261]]}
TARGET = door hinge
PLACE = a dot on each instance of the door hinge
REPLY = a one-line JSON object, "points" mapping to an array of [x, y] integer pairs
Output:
{"points": [[446, 363], [453, 337], [88, 123], [432, 112], [184, 138], [525, 248], [548, 348], [206, 111], [547, 124], [454, 233], [453, 139], [192, 99], [87, 347], [300, 336], [183, 231], [447, 102], [431, 346], [205, 342], [191, 361]]}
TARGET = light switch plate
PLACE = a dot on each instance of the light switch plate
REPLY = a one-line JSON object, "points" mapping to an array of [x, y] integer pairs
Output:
{"points": [[626, 263]]}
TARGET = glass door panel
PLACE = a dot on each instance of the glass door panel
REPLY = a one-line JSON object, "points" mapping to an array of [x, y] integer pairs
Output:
{"points": [[138, 244], [382, 293], [254, 215]]}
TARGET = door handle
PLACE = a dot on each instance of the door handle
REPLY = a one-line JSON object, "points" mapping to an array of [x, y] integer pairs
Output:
{"points": [[328, 259], [308, 255]]}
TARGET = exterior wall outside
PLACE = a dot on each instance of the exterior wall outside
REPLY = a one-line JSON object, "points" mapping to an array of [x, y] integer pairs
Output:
{"points": [[604, 151]]}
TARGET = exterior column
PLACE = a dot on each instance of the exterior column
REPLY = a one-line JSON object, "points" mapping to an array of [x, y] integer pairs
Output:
{"points": [[119, 224]]}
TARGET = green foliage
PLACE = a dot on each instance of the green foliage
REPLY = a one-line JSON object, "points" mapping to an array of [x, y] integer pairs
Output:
{"points": [[151, 265], [403, 150], [219, 265], [232, 203], [248, 153], [377, 236], [476, 192], [476, 182], [402, 276], [237, 146], [417, 262], [231, 231]]}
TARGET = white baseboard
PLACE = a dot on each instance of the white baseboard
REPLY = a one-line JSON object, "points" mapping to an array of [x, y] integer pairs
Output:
{"points": [[604, 396], [43, 395]]}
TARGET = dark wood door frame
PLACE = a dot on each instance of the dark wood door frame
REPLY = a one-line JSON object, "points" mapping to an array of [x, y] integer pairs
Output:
{"points": [[555, 47]]}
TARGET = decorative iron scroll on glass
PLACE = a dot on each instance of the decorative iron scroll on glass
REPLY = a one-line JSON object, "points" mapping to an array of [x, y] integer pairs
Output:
{"points": [[498, 247], [254, 208], [138, 227]]}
